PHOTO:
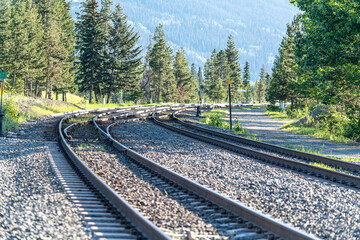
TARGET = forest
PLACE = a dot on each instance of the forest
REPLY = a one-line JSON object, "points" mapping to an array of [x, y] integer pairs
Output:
{"points": [[317, 66], [46, 52]]}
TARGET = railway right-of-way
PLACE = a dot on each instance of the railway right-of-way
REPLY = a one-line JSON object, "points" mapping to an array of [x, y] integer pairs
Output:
{"points": [[318, 206]]}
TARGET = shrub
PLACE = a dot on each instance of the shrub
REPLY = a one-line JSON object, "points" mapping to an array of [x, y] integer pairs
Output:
{"points": [[273, 108]]}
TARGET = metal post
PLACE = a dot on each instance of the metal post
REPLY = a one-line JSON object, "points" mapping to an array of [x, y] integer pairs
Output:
{"points": [[230, 105]]}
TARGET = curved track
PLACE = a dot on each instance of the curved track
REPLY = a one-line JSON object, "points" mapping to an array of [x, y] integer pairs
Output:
{"points": [[119, 206], [256, 218], [274, 148], [335, 176]]}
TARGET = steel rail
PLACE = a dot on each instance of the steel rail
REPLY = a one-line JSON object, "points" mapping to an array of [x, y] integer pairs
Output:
{"points": [[259, 219], [335, 176], [274, 148], [141, 223]]}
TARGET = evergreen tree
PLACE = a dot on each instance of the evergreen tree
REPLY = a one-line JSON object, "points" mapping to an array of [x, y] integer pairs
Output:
{"points": [[284, 81], [222, 68], [201, 82], [193, 71], [260, 85], [246, 81], [67, 83], [164, 84], [90, 39], [23, 42], [51, 12], [147, 76], [209, 72], [4, 18], [125, 62], [186, 83], [232, 55]]}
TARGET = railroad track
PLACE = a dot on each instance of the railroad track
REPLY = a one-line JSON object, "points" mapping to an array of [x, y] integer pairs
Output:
{"points": [[348, 166], [227, 142], [262, 222]]}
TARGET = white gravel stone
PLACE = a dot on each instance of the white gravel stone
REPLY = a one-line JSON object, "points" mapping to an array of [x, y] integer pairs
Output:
{"points": [[31, 197], [320, 207]]}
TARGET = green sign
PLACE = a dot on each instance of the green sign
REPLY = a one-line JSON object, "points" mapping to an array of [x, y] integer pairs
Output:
{"points": [[3, 75]]}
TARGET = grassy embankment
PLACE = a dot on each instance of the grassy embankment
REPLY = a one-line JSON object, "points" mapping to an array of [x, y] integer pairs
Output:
{"points": [[18, 108], [216, 118], [316, 130]]}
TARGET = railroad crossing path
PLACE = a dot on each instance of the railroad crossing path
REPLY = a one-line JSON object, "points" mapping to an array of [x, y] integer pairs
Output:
{"points": [[268, 130]]}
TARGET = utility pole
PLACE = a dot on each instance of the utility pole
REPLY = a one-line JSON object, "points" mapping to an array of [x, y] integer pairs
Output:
{"points": [[230, 105]]}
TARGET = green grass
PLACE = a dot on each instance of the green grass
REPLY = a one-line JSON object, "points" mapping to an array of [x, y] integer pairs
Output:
{"points": [[216, 117], [282, 116], [322, 165], [97, 105], [76, 119], [307, 130], [316, 132], [321, 153]]}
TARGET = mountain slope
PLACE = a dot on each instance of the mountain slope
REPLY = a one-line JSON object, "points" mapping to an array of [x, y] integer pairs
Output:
{"points": [[202, 25]]}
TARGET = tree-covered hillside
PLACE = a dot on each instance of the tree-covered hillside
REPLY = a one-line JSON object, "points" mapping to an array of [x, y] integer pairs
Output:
{"points": [[200, 26]]}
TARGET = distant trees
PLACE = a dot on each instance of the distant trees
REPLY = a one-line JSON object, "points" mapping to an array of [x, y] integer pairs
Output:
{"points": [[283, 85], [221, 67], [318, 61], [246, 81], [235, 78], [260, 85], [37, 45], [108, 56], [160, 61], [185, 81]]}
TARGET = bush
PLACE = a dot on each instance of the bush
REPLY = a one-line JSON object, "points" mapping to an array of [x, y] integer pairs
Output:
{"points": [[297, 112], [273, 108], [238, 128], [333, 120], [12, 112]]}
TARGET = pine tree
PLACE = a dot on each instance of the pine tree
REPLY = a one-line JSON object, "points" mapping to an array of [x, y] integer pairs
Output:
{"points": [[232, 55], [186, 83], [284, 85], [124, 60], [90, 39], [67, 82], [260, 85], [201, 82], [4, 18], [193, 71], [147, 76], [51, 12], [222, 68], [246, 81], [103, 85], [22, 46], [164, 84]]}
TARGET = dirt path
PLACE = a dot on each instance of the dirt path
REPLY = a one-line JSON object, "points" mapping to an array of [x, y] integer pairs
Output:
{"points": [[268, 129]]}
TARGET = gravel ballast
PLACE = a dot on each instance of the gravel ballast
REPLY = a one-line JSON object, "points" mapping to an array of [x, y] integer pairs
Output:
{"points": [[322, 208], [173, 210], [32, 202]]}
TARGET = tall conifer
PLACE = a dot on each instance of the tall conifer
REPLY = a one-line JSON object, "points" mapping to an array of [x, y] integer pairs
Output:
{"points": [[124, 59], [90, 39], [186, 83], [232, 55], [164, 84], [246, 81]]}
